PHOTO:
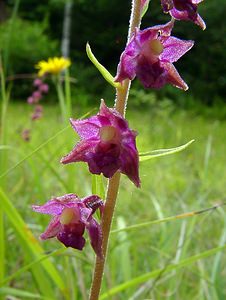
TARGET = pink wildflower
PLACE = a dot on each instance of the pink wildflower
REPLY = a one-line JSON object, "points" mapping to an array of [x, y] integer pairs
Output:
{"points": [[107, 145], [71, 216], [150, 56]]}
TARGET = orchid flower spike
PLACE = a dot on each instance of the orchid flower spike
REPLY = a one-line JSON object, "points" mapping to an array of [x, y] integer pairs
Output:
{"points": [[107, 145], [150, 55], [71, 216]]}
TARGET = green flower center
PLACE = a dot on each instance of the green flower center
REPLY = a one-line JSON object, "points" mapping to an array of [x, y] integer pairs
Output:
{"points": [[68, 215], [107, 133], [156, 47]]}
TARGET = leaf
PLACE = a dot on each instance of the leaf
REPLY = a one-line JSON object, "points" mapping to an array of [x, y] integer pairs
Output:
{"points": [[104, 72], [163, 152], [144, 7], [145, 277]]}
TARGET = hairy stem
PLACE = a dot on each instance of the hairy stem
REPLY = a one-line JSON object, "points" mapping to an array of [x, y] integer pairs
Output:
{"points": [[113, 183]]}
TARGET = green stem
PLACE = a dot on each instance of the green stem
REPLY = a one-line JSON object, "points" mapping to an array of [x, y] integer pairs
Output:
{"points": [[68, 93], [3, 165], [9, 35], [113, 183], [61, 98]]}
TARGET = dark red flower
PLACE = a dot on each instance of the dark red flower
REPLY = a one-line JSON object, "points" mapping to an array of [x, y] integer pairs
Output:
{"points": [[107, 145], [184, 10], [150, 56], [71, 216]]}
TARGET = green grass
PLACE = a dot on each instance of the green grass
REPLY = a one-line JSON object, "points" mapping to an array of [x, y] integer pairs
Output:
{"points": [[188, 181]]}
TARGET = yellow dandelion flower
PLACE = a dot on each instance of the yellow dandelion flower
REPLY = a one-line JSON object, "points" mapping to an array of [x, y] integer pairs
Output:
{"points": [[53, 65]]}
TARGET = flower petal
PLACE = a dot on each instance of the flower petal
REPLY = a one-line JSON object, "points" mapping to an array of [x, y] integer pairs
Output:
{"points": [[71, 238], [152, 75], [56, 205], [85, 213], [200, 22], [95, 234], [80, 152], [188, 15], [130, 163], [155, 31], [126, 67], [196, 1], [87, 128], [174, 48], [128, 60], [52, 230], [113, 116], [174, 77], [105, 159]]}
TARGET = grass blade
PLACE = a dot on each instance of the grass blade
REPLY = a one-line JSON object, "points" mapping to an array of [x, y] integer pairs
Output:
{"points": [[30, 265], [29, 242], [98, 186], [155, 273], [39, 148], [21, 293], [167, 219]]}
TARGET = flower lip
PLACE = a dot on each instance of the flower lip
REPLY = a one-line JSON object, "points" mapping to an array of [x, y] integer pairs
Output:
{"points": [[107, 133], [69, 215]]}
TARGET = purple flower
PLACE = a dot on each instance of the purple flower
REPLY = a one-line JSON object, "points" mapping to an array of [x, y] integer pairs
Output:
{"points": [[37, 114], [184, 10], [107, 145], [37, 82], [44, 88], [36, 96], [71, 216], [30, 100], [26, 135], [150, 55]]}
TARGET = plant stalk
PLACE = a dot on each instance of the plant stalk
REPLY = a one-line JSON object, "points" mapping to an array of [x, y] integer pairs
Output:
{"points": [[3, 166], [61, 98], [113, 183], [68, 93]]}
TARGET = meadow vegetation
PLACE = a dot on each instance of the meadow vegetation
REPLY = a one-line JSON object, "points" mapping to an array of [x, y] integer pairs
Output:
{"points": [[168, 238], [188, 181]]}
